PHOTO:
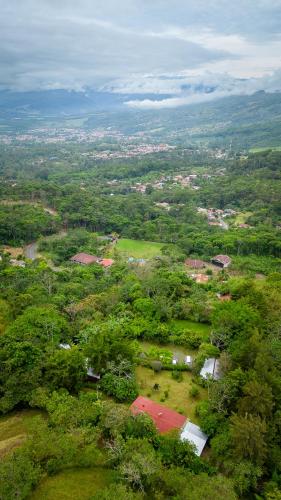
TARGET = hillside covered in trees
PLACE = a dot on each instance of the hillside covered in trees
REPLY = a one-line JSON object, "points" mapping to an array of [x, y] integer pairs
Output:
{"points": [[79, 343]]}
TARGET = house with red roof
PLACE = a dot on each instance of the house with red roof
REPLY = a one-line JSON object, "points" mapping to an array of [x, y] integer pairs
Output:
{"points": [[106, 262], [85, 259], [164, 418]]}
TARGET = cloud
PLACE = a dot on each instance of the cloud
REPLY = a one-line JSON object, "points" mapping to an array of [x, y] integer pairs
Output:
{"points": [[207, 88], [188, 50]]}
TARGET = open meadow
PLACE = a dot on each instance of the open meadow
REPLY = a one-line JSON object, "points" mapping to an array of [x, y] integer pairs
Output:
{"points": [[138, 249], [72, 484]]}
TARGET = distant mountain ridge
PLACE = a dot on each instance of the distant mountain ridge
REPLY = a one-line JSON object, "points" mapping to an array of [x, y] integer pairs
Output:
{"points": [[242, 121], [61, 101]]}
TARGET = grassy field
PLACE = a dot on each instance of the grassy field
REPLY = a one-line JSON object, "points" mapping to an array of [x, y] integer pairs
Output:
{"points": [[242, 218], [138, 249], [178, 398], [13, 429], [264, 148], [78, 484]]}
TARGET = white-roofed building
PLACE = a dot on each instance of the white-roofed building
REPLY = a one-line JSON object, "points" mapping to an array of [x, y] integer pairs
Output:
{"points": [[194, 435], [210, 369], [64, 346], [188, 360]]}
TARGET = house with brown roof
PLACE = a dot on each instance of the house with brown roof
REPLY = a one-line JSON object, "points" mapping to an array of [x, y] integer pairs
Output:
{"points": [[221, 261], [85, 259]]}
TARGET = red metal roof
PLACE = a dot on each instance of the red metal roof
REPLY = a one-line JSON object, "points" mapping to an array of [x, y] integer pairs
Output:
{"points": [[106, 262], [84, 258], [164, 418]]}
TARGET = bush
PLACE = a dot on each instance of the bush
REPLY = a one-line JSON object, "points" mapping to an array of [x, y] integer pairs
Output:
{"points": [[194, 392], [186, 338], [121, 388], [156, 366], [177, 375]]}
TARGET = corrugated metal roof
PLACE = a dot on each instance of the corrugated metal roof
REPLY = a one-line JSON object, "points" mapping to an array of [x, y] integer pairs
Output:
{"points": [[194, 435], [164, 418], [210, 368]]}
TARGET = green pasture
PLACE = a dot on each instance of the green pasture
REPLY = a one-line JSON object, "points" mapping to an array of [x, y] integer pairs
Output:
{"points": [[264, 148], [78, 484], [138, 249], [242, 218], [13, 429]]}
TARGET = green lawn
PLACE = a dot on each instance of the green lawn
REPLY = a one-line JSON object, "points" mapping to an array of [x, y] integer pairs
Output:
{"points": [[78, 484], [178, 398], [13, 429], [199, 328], [138, 249], [242, 218], [264, 148]]}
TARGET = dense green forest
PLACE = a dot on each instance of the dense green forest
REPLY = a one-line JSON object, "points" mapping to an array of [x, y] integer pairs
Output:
{"points": [[129, 321]]}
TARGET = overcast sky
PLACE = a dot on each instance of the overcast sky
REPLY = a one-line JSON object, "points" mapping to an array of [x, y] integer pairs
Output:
{"points": [[193, 50]]}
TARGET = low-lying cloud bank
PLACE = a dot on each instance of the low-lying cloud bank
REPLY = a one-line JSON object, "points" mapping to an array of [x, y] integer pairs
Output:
{"points": [[205, 89]]}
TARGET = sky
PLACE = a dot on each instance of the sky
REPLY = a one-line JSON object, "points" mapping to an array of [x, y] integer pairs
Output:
{"points": [[183, 51]]}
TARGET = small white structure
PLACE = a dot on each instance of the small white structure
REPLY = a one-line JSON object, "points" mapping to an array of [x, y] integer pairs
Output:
{"points": [[17, 263], [188, 360], [174, 361], [210, 369], [65, 346], [194, 435], [92, 375]]}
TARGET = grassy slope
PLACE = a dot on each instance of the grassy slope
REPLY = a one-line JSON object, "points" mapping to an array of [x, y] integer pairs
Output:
{"points": [[13, 429], [242, 218], [78, 484]]}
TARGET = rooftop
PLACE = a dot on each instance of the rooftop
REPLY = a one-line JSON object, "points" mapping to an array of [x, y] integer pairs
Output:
{"points": [[210, 369], [106, 262], [194, 435], [84, 258], [164, 418], [224, 259]]}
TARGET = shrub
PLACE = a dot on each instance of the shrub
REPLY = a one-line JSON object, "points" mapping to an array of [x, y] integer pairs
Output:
{"points": [[194, 392], [121, 388], [177, 375], [156, 366]]}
